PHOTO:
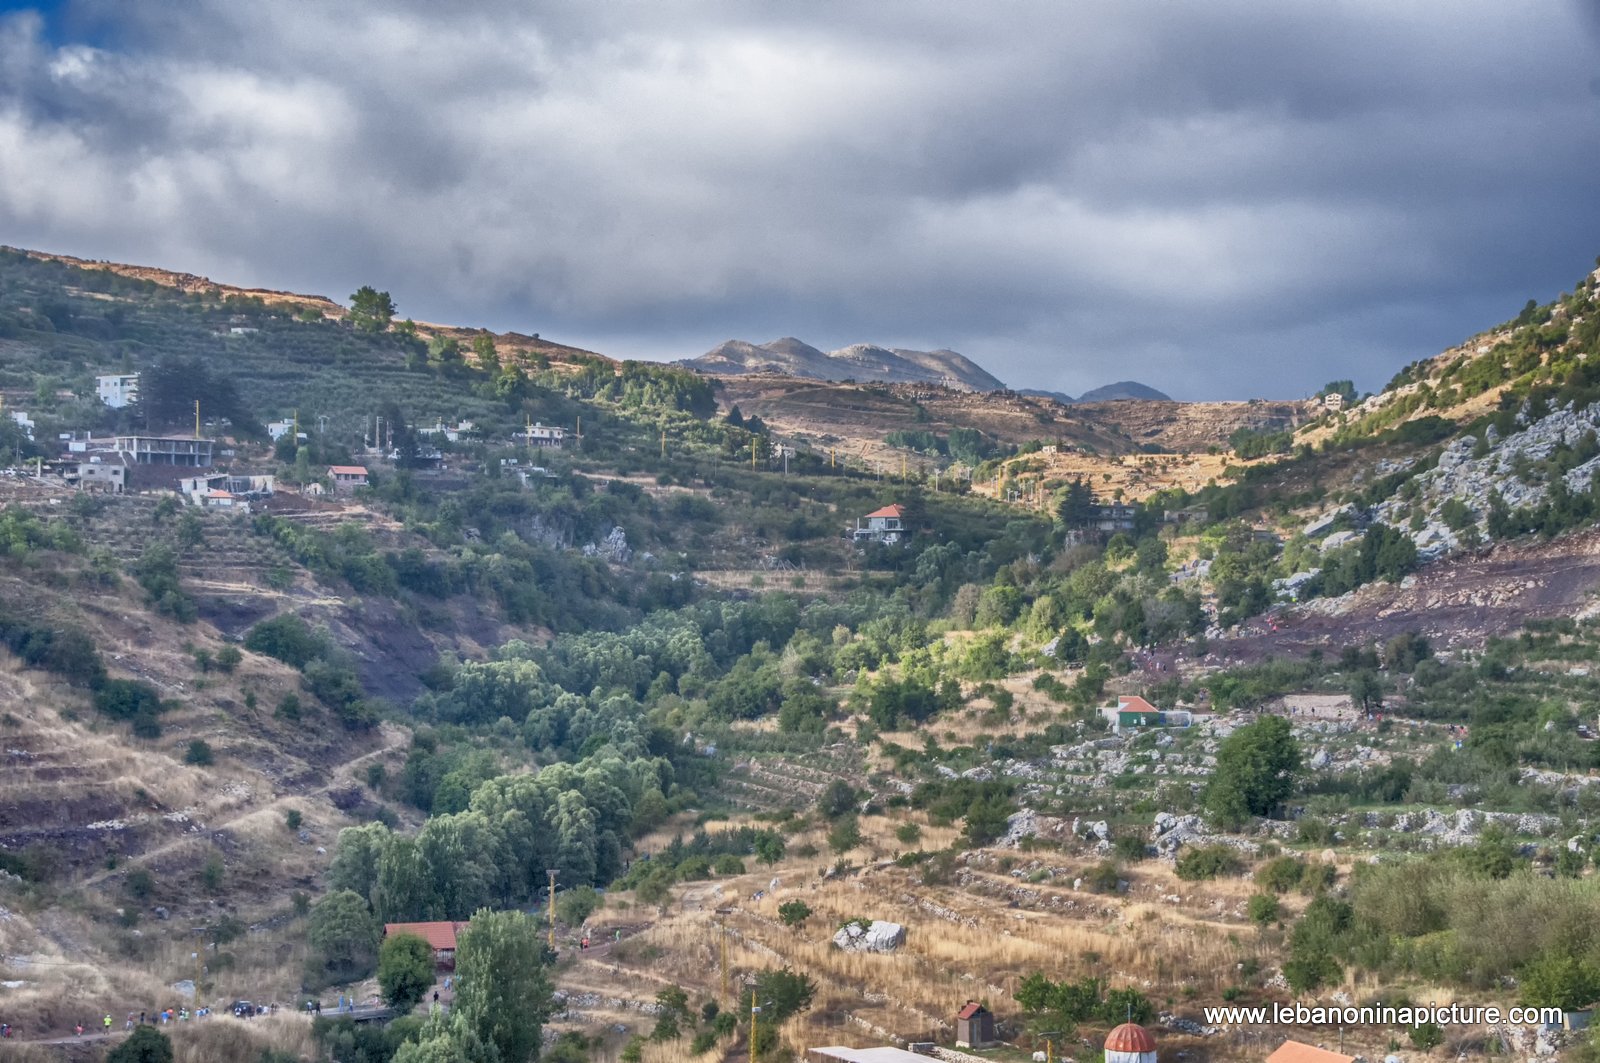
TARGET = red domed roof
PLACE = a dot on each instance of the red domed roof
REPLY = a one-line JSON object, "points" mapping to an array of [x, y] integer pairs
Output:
{"points": [[1130, 1037]]}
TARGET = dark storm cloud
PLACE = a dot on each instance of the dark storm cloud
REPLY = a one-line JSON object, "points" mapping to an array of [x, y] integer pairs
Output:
{"points": [[1225, 199]]}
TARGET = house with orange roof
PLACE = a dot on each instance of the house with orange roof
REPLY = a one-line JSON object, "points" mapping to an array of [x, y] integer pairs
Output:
{"points": [[347, 477], [887, 525], [440, 936], [1300, 1052]]}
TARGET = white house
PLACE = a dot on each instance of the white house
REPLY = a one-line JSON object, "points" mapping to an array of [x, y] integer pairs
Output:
{"points": [[886, 525], [104, 471], [452, 432], [118, 389], [225, 491], [539, 435], [24, 422], [278, 429]]}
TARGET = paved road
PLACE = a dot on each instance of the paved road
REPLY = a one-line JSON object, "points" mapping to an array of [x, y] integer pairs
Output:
{"points": [[361, 1013]]}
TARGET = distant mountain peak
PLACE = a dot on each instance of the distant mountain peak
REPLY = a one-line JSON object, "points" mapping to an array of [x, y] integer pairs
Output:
{"points": [[859, 361], [1124, 389]]}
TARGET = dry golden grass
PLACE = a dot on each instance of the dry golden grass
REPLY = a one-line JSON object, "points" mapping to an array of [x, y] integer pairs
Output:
{"points": [[967, 938], [226, 1038], [1137, 476]]}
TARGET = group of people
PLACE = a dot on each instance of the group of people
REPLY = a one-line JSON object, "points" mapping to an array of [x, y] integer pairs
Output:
{"points": [[162, 1017]]}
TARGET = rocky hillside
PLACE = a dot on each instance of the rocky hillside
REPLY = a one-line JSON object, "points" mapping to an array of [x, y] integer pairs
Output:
{"points": [[859, 361]]}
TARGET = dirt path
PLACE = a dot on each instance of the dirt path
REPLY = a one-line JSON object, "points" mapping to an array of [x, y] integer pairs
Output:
{"points": [[393, 740]]}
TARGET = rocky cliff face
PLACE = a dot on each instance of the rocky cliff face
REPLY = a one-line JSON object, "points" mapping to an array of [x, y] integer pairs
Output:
{"points": [[1190, 426], [1519, 467]]}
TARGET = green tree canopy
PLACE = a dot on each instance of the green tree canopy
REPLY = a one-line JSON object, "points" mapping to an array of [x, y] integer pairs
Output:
{"points": [[345, 935], [1559, 981], [781, 995], [793, 913], [370, 309], [146, 1045], [1255, 772], [405, 970], [503, 989]]}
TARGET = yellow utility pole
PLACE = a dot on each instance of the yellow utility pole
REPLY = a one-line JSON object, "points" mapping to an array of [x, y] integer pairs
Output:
{"points": [[197, 418], [754, 1011], [722, 938], [830, 458], [663, 442], [902, 468], [552, 873], [752, 452]]}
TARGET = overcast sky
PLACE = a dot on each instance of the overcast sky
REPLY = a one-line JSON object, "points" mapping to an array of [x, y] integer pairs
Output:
{"points": [[1220, 199]]}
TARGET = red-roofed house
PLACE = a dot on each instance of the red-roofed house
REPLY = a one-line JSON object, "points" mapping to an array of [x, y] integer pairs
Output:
{"points": [[347, 477], [974, 1026], [1300, 1052], [441, 937], [886, 525]]}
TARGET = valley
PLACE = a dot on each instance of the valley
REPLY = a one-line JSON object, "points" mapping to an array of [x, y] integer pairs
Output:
{"points": [[1122, 709]]}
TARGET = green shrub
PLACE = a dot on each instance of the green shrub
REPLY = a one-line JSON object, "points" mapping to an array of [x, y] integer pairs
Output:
{"points": [[1207, 862], [1103, 877], [1264, 908], [575, 905], [1129, 847], [1281, 875], [199, 753]]}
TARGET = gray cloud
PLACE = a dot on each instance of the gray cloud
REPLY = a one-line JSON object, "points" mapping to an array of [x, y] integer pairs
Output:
{"points": [[1223, 200]]}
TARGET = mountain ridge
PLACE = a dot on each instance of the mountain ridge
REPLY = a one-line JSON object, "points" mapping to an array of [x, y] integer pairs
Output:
{"points": [[793, 357]]}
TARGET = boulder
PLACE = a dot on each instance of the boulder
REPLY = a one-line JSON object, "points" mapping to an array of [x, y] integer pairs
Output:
{"points": [[878, 936], [1020, 825]]}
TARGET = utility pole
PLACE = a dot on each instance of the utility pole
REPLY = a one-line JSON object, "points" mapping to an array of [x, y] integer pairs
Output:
{"points": [[754, 1011], [663, 442], [199, 950], [752, 453], [552, 873], [197, 418], [722, 940]]}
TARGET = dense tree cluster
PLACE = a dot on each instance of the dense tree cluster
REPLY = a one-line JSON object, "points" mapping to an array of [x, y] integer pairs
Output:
{"points": [[496, 852]]}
